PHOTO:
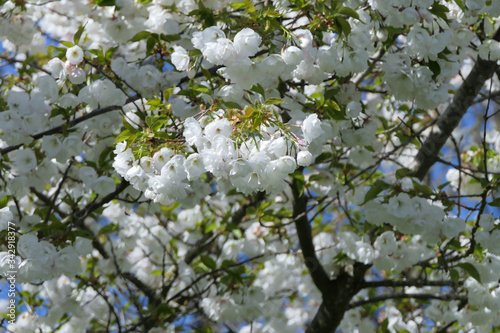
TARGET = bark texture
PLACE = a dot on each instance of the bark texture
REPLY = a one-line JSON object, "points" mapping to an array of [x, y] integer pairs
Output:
{"points": [[449, 120]]}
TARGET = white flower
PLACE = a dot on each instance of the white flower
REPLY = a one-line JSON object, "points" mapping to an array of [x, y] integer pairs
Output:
{"points": [[27, 245], [218, 127], [73, 145], [87, 175], [180, 58], [284, 165], [487, 222], [210, 34], [18, 102], [490, 50], [304, 38], [47, 86], [293, 55], [67, 261], [222, 52], [57, 68], [147, 164], [124, 158], [83, 246], [77, 76], [246, 42], [174, 169], [5, 217], [68, 101], [161, 157], [25, 160], [386, 243], [452, 226], [193, 132], [104, 185], [311, 128], [232, 248], [194, 166], [74, 55], [304, 158]]}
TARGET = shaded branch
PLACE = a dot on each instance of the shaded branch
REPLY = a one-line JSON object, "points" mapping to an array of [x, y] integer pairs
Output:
{"points": [[336, 301], [336, 293], [69, 124], [304, 232], [380, 298], [408, 283]]}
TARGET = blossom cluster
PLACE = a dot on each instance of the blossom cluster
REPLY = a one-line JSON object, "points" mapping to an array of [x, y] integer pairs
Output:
{"points": [[256, 164]]}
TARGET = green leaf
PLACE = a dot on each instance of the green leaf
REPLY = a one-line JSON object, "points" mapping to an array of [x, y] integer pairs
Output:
{"points": [[440, 187], [435, 68], [460, 4], [150, 120], [455, 245], [107, 229], [237, 233], [258, 89], [168, 93], [66, 43], [272, 14], [238, 5], [439, 10], [471, 270], [251, 210], [207, 74], [4, 201], [314, 178], [103, 3], [401, 173], [376, 188], [78, 34], [211, 226], [208, 261], [273, 101], [484, 182], [123, 136], [202, 89], [404, 108], [105, 154], [330, 94], [344, 26], [110, 52], [424, 189], [150, 44], [325, 156], [170, 38], [349, 12], [332, 110], [495, 203], [231, 105], [140, 36]]}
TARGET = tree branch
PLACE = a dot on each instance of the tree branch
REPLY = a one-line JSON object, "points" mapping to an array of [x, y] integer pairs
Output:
{"points": [[449, 120], [408, 283], [304, 232], [336, 301], [336, 293], [380, 298], [69, 124]]}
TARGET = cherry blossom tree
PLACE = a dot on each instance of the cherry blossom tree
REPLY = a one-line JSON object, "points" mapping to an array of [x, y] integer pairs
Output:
{"points": [[250, 166]]}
